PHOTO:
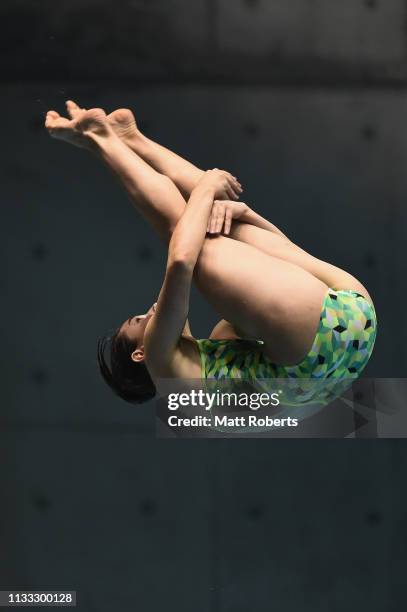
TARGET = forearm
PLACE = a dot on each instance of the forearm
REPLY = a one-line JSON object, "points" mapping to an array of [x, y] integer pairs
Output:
{"points": [[253, 218], [190, 232], [182, 172]]}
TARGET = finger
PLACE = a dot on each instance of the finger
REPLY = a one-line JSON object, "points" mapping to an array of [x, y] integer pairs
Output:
{"points": [[231, 178], [214, 217], [236, 191], [208, 227], [220, 219], [210, 220], [213, 222], [231, 194], [236, 180], [228, 220], [236, 186]]}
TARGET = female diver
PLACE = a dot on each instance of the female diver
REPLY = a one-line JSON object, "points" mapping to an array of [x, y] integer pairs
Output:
{"points": [[285, 314]]}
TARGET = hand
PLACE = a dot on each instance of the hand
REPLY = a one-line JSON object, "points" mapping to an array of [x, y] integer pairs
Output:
{"points": [[224, 185], [223, 211], [76, 130]]}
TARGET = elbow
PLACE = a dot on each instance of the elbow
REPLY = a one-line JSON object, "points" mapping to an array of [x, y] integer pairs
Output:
{"points": [[180, 253], [181, 260]]}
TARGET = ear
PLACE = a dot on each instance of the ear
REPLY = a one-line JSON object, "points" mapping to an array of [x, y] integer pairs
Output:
{"points": [[138, 354]]}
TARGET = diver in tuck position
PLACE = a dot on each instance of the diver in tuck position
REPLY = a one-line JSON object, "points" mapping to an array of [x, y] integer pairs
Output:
{"points": [[286, 314]]}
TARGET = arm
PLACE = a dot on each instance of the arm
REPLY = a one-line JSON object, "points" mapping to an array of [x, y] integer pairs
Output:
{"points": [[165, 330], [163, 333]]}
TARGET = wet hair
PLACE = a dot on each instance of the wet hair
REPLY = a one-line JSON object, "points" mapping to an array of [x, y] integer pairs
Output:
{"points": [[128, 379]]}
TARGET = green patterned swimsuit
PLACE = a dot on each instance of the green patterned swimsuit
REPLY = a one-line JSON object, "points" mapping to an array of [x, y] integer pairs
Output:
{"points": [[341, 349]]}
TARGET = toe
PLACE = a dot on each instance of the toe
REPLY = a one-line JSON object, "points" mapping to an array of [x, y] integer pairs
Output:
{"points": [[50, 118], [72, 108]]}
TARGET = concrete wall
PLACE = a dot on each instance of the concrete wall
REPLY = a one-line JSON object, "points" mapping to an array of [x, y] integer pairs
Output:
{"points": [[305, 103]]}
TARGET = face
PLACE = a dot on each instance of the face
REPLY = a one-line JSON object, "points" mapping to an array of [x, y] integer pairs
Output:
{"points": [[135, 327]]}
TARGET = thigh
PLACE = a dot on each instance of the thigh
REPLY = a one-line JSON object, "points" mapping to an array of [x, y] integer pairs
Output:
{"points": [[264, 296], [283, 248]]}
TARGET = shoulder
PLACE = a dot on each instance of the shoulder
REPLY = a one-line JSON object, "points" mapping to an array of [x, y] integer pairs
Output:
{"points": [[185, 362]]}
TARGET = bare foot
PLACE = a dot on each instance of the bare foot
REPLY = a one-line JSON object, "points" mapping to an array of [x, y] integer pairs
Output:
{"points": [[78, 129], [124, 124]]}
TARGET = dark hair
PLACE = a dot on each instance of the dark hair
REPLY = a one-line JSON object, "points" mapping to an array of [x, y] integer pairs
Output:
{"points": [[128, 379]]}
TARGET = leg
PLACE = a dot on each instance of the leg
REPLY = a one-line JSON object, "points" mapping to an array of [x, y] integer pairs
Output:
{"points": [[284, 301], [153, 195], [185, 175], [262, 296], [277, 246], [226, 267]]}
